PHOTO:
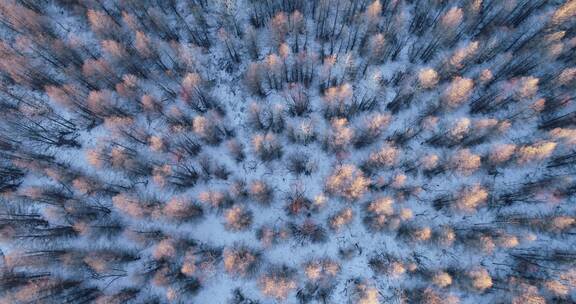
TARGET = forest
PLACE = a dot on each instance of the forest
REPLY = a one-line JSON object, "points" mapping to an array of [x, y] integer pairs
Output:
{"points": [[288, 151]]}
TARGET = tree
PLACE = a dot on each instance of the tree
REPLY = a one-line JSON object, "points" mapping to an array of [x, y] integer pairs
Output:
{"points": [[238, 218], [103, 24], [278, 281], [241, 260], [266, 147], [321, 275], [457, 92], [194, 92], [348, 182]]}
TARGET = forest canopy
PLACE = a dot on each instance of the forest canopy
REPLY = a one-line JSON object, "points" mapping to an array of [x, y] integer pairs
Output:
{"points": [[288, 151]]}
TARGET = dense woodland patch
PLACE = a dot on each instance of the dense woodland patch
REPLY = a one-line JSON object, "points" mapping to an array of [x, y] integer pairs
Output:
{"points": [[264, 151]]}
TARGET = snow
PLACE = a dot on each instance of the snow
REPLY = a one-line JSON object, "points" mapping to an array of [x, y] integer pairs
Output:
{"points": [[224, 81]]}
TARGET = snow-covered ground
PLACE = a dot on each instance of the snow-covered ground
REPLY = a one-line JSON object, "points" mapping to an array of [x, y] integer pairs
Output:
{"points": [[287, 151]]}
